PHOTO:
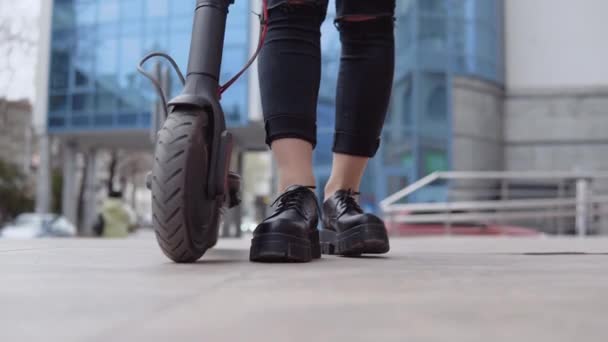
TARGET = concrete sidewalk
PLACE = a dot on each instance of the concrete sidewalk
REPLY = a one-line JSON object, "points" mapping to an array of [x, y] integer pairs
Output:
{"points": [[426, 289]]}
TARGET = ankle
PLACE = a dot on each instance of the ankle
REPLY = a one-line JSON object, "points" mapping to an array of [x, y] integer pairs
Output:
{"points": [[286, 182], [332, 187], [294, 162]]}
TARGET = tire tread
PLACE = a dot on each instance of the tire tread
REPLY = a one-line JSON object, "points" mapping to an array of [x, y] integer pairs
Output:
{"points": [[174, 144]]}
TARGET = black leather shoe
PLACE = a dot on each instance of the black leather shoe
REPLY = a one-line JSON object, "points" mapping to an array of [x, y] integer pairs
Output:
{"points": [[348, 231], [290, 234]]}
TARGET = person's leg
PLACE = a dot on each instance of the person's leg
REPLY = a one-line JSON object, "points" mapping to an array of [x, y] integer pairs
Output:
{"points": [[364, 87], [346, 173], [290, 72], [294, 162]]}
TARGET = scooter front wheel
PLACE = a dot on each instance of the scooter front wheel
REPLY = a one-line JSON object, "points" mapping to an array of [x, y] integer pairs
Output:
{"points": [[185, 221]]}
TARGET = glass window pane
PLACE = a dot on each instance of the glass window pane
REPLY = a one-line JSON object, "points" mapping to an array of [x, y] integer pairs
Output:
{"points": [[156, 26], [84, 58], [323, 156], [132, 9], [234, 102], [326, 116], [109, 10], [131, 53], [179, 48], [132, 27], [86, 12], [182, 7], [397, 148], [400, 112], [435, 160], [437, 104], [432, 104], [83, 102], [105, 101], [107, 60], [433, 6], [157, 8], [60, 62], [432, 32], [367, 199], [156, 42], [58, 103], [63, 16], [396, 183]]}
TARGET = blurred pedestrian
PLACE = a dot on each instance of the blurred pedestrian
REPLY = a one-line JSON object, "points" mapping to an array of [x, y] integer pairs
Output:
{"points": [[114, 220]]}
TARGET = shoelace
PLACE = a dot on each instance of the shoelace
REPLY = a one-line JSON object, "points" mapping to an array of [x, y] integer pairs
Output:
{"points": [[292, 199], [347, 198]]}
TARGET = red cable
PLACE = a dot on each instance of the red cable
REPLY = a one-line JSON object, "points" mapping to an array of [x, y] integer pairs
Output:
{"points": [[264, 31]]}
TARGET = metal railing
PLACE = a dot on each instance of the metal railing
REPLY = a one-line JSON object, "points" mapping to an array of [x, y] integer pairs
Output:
{"points": [[553, 202]]}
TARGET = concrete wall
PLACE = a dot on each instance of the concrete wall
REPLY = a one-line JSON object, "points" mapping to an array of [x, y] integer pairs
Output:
{"points": [[555, 44], [477, 125], [561, 131], [556, 112]]}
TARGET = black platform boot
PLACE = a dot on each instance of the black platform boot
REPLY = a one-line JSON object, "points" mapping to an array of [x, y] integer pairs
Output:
{"points": [[347, 230], [290, 234]]}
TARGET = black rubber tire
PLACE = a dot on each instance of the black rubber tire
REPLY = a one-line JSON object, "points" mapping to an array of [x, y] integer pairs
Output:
{"points": [[185, 221]]}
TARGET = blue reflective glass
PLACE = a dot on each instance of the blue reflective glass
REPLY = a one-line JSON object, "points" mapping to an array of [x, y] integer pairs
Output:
{"points": [[83, 102], [108, 11], [85, 12], [433, 6], [58, 103], [106, 57], [435, 40], [130, 53], [96, 45], [157, 8], [59, 76], [183, 8], [63, 15], [432, 107], [180, 24], [132, 27], [132, 9], [325, 132]]}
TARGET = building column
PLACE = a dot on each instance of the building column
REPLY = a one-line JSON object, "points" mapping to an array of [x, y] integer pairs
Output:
{"points": [[90, 209], [43, 183], [582, 207], [68, 195], [39, 119]]}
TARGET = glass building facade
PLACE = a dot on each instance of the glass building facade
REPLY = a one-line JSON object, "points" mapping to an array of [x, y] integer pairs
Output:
{"points": [[97, 44], [94, 86], [435, 41]]}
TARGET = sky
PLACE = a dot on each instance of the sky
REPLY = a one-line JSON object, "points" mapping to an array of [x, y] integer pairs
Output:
{"points": [[23, 18]]}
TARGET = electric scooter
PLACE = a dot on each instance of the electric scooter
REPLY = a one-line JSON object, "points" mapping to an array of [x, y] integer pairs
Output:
{"points": [[190, 180]]}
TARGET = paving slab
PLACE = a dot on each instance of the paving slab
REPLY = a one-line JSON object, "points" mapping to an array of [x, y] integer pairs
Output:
{"points": [[425, 289]]}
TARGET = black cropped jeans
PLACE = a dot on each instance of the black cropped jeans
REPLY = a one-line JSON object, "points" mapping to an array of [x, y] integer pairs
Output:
{"points": [[290, 71]]}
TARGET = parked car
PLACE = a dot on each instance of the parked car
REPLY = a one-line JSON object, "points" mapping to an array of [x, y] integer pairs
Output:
{"points": [[31, 225]]}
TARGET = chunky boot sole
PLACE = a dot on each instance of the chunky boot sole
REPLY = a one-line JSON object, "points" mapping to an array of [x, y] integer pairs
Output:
{"points": [[363, 239], [276, 247]]}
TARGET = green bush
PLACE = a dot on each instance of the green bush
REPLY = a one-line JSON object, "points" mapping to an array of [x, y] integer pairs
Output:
{"points": [[14, 197], [57, 190]]}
